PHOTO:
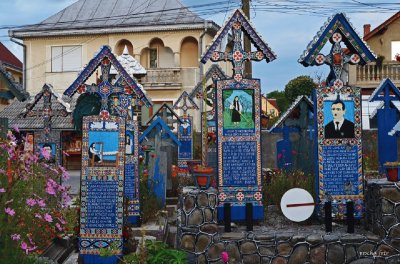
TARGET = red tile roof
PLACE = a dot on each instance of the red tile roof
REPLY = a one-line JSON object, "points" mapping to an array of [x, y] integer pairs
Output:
{"points": [[382, 27], [6, 56], [273, 103]]}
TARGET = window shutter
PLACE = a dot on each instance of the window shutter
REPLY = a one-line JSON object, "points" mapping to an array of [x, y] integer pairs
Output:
{"points": [[56, 59], [72, 58]]}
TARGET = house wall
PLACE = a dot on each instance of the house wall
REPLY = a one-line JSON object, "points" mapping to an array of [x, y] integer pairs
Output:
{"points": [[381, 43]]}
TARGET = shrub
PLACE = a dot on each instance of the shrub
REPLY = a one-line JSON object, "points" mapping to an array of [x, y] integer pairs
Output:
{"points": [[33, 204]]}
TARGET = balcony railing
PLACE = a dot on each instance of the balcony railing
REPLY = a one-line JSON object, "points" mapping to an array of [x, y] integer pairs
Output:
{"points": [[371, 74], [169, 75], [170, 78]]}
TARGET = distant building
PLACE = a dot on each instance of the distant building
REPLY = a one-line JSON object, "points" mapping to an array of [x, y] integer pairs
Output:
{"points": [[10, 78], [384, 41], [163, 36], [269, 107]]}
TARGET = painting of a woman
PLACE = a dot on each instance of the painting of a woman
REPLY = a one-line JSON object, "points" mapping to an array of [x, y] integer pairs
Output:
{"points": [[94, 153], [236, 108]]}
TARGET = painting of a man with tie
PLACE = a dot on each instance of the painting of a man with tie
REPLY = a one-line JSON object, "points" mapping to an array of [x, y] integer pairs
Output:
{"points": [[339, 127]]}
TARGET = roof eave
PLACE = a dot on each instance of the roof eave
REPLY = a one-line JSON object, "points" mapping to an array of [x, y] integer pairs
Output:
{"points": [[20, 34]]}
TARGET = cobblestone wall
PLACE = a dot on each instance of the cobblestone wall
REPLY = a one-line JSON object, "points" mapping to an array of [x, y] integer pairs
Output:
{"points": [[199, 235]]}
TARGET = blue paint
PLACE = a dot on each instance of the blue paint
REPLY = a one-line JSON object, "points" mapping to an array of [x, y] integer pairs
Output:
{"points": [[284, 159], [109, 139], [243, 173], [349, 111], [387, 145], [158, 182], [97, 259], [158, 123], [238, 213]]}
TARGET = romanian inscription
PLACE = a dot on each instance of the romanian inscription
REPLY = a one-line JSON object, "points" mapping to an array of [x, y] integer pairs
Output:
{"points": [[239, 161], [129, 187], [101, 204], [340, 170]]}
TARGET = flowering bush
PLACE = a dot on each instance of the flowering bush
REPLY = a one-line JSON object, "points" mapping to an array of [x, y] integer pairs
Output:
{"points": [[33, 204]]}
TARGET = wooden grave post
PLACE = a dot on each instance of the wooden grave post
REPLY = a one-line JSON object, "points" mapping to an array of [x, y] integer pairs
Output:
{"points": [[337, 107], [238, 122], [387, 93]]}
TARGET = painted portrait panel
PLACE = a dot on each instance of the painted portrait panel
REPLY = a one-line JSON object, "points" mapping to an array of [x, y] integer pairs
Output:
{"points": [[238, 108], [339, 118]]}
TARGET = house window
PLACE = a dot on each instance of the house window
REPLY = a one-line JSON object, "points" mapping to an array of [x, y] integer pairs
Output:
{"points": [[395, 49], [66, 58], [153, 58]]}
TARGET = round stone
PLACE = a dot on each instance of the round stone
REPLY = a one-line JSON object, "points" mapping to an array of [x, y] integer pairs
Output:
{"points": [[209, 228], [284, 249], [387, 207], [187, 242], [279, 260], [335, 254], [251, 259], [208, 215], [248, 247], [397, 212], [351, 253], [392, 194], [202, 199], [201, 259], [365, 249], [214, 252], [388, 221], [213, 200], [195, 218], [317, 254], [266, 251], [233, 251], [299, 255], [188, 204], [202, 243], [395, 231]]}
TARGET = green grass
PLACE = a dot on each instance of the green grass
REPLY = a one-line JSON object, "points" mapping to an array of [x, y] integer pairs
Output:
{"points": [[246, 120]]}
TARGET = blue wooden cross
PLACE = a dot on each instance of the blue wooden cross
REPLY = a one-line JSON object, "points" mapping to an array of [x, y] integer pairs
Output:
{"points": [[284, 158], [386, 92]]}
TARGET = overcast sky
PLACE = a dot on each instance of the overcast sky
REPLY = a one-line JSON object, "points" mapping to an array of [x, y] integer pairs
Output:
{"points": [[286, 28]]}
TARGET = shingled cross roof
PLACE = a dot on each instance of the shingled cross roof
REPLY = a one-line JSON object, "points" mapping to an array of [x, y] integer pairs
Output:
{"points": [[100, 16], [185, 103], [130, 64], [105, 59], [30, 115], [238, 23], [15, 89]]}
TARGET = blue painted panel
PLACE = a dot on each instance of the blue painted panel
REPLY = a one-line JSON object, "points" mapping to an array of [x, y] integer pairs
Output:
{"points": [[129, 185], [387, 118], [101, 215], [97, 259], [340, 170], [284, 157], [241, 173], [159, 182], [238, 213]]}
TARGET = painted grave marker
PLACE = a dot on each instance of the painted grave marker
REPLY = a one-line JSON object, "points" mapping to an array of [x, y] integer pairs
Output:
{"points": [[238, 122], [338, 123], [102, 186]]}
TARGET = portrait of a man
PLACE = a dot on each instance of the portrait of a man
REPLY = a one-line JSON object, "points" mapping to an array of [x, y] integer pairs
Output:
{"points": [[339, 127]]}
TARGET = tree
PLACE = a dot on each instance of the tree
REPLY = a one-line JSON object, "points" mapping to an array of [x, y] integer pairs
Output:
{"points": [[281, 99], [302, 85]]}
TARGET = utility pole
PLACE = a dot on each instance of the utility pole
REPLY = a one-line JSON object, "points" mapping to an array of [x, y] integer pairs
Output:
{"points": [[248, 72]]}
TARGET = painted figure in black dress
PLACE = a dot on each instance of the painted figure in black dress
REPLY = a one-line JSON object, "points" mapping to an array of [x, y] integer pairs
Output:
{"points": [[95, 152], [339, 127], [236, 108]]}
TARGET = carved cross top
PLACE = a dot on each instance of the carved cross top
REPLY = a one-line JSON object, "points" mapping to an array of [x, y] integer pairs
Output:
{"points": [[337, 59], [237, 56], [105, 88]]}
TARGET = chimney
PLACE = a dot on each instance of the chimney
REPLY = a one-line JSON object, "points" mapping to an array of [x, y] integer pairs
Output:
{"points": [[367, 29]]}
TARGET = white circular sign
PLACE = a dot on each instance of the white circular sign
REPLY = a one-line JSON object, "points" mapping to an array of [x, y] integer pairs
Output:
{"points": [[297, 204]]}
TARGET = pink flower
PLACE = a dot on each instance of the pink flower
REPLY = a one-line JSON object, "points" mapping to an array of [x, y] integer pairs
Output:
{"points": [[16, 128], [41, 203], [15, 236], [9, 211], [2, 190], [59, 227], [46, 155], [30, 202], [62, 221], [38, 216], [48, 218], [24, 247], [49, 188], [225, 256], [280, 155]]}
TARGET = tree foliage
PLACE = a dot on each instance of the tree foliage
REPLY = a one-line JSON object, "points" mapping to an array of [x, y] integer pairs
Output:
{"points": [[301, 85], [281, 99]]}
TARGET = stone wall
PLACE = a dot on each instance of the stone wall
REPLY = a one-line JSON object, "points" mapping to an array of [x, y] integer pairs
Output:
{"points": [[199, 235], [383, 210]]}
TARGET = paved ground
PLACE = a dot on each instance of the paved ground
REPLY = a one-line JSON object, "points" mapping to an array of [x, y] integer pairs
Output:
{"points": [[72, 259]]}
